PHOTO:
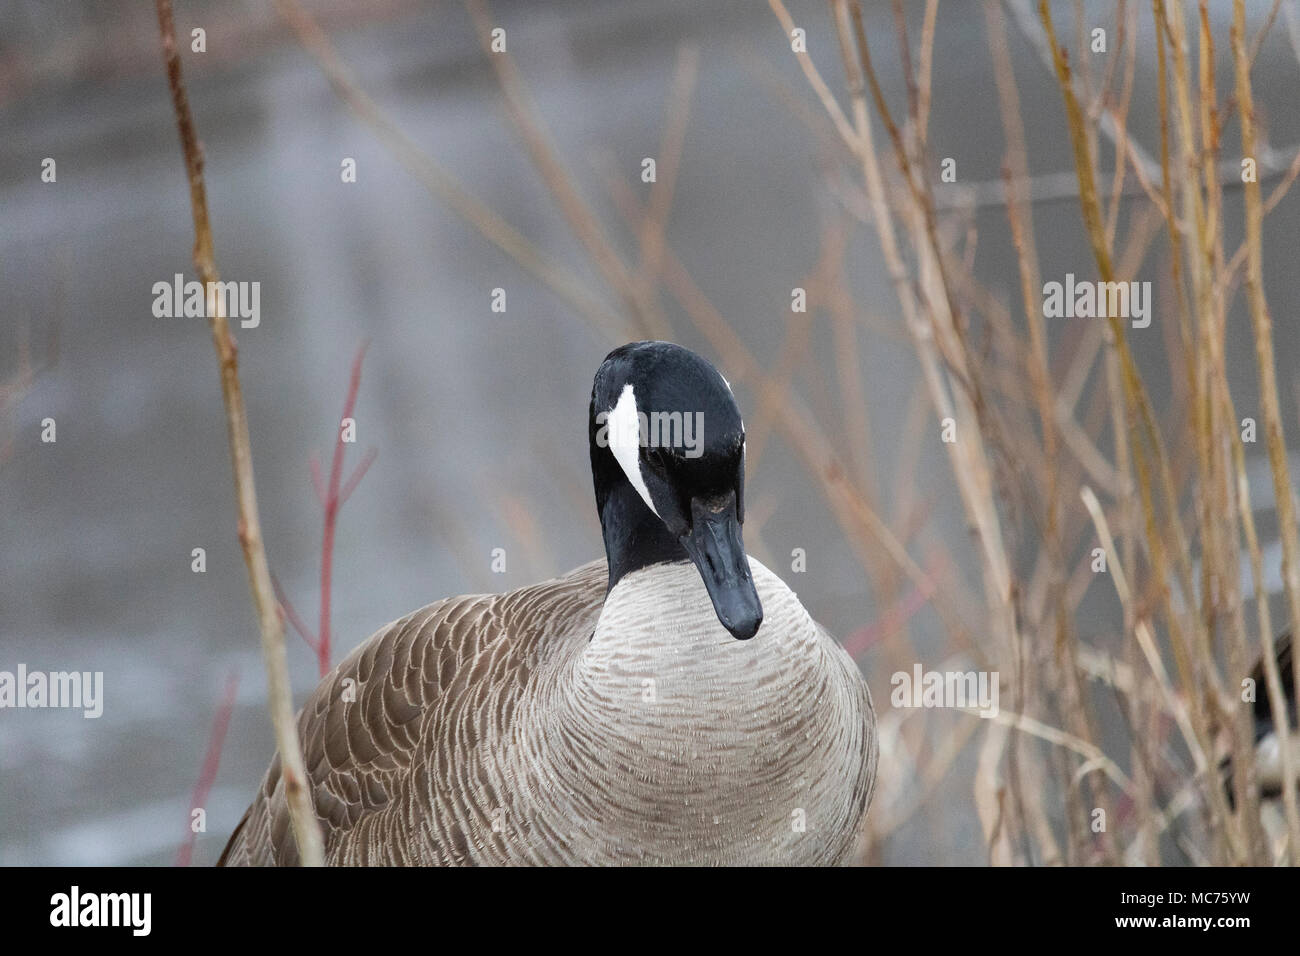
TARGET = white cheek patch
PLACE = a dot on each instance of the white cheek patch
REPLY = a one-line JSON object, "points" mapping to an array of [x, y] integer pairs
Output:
{"points": [[624, 433]]}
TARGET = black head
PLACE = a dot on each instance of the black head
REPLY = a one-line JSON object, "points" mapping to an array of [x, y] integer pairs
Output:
{"points": [[668, 460]]}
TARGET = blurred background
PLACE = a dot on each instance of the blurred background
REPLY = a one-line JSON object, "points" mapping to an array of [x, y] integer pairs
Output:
{"points": [[477, 417]]}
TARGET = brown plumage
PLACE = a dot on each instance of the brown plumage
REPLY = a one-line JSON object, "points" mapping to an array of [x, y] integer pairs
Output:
{"points": [[517, 728]]}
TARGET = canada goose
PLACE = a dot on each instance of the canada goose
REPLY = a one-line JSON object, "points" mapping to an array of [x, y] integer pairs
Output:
{"points": [[606, 716], [1268, 749]]}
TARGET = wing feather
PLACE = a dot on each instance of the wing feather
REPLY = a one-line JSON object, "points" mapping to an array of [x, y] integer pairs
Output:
{"points": [[380, 726]]}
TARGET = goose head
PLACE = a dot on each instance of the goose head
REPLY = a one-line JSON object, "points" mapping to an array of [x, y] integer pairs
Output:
{"points": [[668, 462]]}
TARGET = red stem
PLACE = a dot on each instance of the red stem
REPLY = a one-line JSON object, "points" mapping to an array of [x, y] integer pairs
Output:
{"points": [[211, 761], [861, 640], [350, 485], [332, 503], [317, 482]]}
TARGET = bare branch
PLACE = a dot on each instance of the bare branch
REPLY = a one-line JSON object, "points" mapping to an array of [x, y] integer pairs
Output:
{"points": [[280, 695]]}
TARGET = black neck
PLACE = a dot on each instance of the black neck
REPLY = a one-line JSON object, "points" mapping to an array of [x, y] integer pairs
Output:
{"points": [[634, 536]]}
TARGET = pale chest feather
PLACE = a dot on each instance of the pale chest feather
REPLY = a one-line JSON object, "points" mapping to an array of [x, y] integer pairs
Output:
{"points": [[665, 740]]}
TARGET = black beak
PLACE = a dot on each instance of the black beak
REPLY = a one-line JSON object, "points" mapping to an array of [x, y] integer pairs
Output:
{"points": [[715, 545]]}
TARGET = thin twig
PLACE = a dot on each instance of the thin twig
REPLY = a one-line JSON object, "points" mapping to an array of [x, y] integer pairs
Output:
{"points": [[816, 82], [333, 502], [546, 158], [295, 619], [444, 186], [1262, 324], [280, 695]]}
